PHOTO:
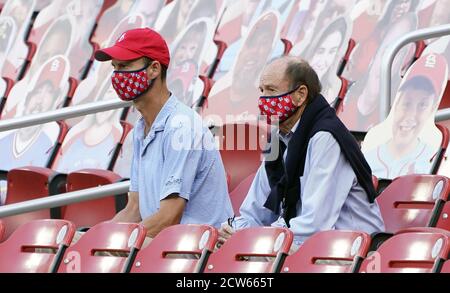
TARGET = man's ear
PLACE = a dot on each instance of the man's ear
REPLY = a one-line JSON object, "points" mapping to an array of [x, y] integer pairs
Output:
{"points": [[154, 70], [300, 96]]}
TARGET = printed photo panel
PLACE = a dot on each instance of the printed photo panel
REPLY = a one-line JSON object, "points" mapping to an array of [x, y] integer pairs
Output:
{"points": [[236, 93], [362, 104], [187, 53], [91, 143], [408, 140], [19, 14], [50, 84], [123, 162], [324, 55], [30, 146]]}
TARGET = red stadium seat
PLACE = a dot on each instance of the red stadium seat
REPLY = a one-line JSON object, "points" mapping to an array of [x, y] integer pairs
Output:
{"points": [[20, 252], [239, 194], [446, 267], [410, 201], [248, 250], [2, 230], [410, 251], [90, 213], [166, 253], [342, 246], [108, 237], [240, 148], [27, 184], [444, 217]]}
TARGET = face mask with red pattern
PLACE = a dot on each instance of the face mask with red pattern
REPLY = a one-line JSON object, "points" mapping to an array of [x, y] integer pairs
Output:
{"points": [[280, 107], [130, 85]]}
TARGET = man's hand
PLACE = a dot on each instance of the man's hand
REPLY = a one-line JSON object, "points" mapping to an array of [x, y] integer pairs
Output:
{"points": [[225, 232]]}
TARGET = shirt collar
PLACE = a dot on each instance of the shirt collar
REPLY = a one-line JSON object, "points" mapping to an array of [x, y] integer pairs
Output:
{"points": [[161, 118], [287, 137]]}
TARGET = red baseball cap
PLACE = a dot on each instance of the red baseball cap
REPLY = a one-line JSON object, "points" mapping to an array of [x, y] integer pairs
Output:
{"points": [[137, 43]]}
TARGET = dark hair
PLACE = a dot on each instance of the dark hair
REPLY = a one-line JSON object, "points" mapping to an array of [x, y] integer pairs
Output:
{"points": [[338, 25], [420, 83], [301, 73]]}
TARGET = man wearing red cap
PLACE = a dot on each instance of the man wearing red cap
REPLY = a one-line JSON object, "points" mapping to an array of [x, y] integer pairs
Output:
{"points": [[176, 176]]}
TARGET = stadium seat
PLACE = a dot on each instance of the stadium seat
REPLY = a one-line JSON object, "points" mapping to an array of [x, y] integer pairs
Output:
{"points": [[90, 213], [168, 250], [23, 251], [410, 251], [240, 147], [87, 255], [252, 250], [239, 194], [339, 252], [2, 230], [26, 184], [444, 217], [446, 268], [413, 201]]}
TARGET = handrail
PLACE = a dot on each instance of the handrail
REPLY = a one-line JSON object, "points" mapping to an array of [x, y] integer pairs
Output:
{"points": [[442, 115], [62, 114], [388, 60], [64, 199]]}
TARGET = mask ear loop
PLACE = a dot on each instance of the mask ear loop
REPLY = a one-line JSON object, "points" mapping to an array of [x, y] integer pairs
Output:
{"points": [[134, 71], [282, 95]]}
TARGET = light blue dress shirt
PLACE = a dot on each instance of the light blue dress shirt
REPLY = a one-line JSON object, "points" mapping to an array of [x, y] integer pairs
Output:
{"points": [[331, 197], [178, 156]]}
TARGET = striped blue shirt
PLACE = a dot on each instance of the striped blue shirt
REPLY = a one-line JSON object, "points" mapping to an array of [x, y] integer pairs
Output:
{"points": [[178, 156]]}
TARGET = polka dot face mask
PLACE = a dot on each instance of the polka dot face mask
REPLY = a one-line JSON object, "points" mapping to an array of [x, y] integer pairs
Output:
{"points": [[130, 85], [280, 107]]}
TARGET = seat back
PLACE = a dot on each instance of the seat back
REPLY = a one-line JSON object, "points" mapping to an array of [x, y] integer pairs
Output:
{"points": [[446, 267], [253, 250], [409, 201], [329, 252], [177, 249], [26, 184], [2, 230], [36, 247], [239, 194], [444, 217], [90, 213], [414, 251], [240, 148], [105, 248]]}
